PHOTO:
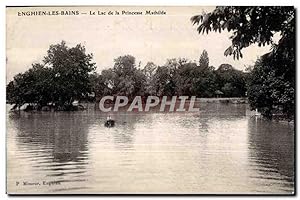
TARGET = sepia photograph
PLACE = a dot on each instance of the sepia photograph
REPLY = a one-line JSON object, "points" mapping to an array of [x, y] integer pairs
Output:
{"points": [[155, 100]]}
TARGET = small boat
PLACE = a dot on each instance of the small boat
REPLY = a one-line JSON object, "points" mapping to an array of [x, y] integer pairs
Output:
{"points": [[110, 123]]}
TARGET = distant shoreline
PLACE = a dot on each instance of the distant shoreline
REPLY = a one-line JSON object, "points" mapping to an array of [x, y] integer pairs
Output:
{"points": [[233, 100]]}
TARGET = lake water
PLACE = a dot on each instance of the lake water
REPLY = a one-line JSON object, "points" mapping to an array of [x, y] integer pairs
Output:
{"points": [[219, 150]]}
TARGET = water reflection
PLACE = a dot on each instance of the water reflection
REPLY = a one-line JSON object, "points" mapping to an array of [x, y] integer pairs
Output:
{"points": [[70, 139], [272, 153], [219, 150], [52, 144]]}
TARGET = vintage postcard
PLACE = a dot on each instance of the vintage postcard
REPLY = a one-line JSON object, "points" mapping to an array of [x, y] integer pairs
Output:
{"points": [[150, 100]]}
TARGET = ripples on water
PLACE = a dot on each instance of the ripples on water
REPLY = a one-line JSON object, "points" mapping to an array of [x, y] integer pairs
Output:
{"points": [[219, 150]]}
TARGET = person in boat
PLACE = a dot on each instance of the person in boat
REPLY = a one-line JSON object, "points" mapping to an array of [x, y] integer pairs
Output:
{"points": [[109, 122]]}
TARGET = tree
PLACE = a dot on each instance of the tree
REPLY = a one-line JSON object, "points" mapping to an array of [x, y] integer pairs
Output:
{"points": [[71, 68], [149, 71], [164, 83], [204, 83], [61, 78], [185, 75], [248, 24], [204, 60], [271, 89], [32, 86], [272, 82], [231, 82], [98, 86], [123, 79]]}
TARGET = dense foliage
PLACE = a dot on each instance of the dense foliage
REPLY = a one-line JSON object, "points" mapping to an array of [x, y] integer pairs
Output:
{"points": [[61, 78], [176, 77], [271, 86]]}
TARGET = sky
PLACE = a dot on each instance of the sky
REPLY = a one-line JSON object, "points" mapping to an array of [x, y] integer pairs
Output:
{"points": [[153, 38]]}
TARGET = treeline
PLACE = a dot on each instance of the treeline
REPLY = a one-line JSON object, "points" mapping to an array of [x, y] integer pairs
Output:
{"points": [[176, 77], [68, 74]]}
